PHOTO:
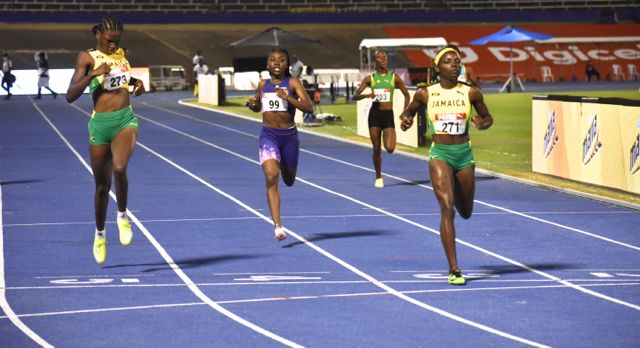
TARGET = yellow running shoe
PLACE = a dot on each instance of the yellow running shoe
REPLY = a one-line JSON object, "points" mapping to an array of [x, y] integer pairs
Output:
{"points": [[456, 278], [126, 234], [100, 249], [379, 183]]}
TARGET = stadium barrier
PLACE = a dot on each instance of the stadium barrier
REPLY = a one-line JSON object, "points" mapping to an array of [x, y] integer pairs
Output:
{"points": [[409, 138], [591, 140]]}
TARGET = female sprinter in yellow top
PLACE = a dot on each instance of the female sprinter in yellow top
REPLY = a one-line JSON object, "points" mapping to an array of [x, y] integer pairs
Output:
{"points": [[113, 126], [451, 161]]}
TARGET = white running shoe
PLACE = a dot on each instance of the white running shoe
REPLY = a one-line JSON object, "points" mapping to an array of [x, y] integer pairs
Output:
{"points": [[280, 234]]}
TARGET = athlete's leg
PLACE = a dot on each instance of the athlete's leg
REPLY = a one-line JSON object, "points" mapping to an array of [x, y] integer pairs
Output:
{"points": [[122, 146], [375, 133], [389, 136], [289, 159], [288, 174], [50, 90], [101, 164], [442, 179], [464, 190], [271, 171]]}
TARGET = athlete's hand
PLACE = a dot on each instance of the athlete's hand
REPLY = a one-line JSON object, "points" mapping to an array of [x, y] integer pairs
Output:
{"points": [[405, 122], [103, 69], [282, 93], [481, 122], [252, 103], [138, 88]]}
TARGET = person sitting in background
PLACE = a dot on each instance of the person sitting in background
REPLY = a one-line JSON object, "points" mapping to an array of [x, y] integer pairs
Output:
{"points": [[591, 72]]}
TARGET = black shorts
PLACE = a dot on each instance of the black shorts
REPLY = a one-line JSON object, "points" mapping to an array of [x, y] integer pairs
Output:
{"points": [[381, 118], [8, 79]]}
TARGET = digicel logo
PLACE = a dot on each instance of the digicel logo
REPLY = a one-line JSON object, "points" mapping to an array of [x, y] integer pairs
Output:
{"points": [[569, 56]]}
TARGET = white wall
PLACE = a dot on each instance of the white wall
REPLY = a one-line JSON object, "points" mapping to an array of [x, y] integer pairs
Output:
{"points": [[27, 81]]}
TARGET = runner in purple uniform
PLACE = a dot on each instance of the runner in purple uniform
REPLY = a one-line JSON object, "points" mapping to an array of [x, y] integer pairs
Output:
{"points": [[278, 98]]}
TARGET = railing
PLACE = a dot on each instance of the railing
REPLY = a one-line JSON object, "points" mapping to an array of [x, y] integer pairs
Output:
{"points": [[300, 6]]}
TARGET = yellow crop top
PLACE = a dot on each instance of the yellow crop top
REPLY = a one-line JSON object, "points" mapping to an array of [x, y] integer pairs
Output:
{"points": [[448, 110], [119, 75]]}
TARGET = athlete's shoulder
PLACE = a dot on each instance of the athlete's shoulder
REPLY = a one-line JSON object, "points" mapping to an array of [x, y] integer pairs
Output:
{"points": [[465, 83], [432, 85]]}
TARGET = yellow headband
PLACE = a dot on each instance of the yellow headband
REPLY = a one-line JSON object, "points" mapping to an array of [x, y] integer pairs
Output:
{"points": [[441, 53]]}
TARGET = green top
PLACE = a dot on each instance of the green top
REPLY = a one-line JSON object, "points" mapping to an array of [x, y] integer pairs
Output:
{"points": [[383, 86]]}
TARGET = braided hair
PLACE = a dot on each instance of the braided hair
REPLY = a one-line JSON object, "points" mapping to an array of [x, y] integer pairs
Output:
{"points": [[108, 23]]}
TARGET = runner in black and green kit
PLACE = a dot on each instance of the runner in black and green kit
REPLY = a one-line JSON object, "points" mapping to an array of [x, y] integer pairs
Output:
{"points": [[113, 126], [381, 120]]}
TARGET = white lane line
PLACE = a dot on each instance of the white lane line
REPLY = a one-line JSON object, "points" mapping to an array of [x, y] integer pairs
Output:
{"points": [[522, 214], [194, 288], [4, 304], [437, 281], [382, 211], [288, 217], [318, 249], [310, 297]]}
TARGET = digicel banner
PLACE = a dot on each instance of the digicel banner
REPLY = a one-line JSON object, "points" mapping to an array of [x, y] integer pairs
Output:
{"points": [[567, 61]]}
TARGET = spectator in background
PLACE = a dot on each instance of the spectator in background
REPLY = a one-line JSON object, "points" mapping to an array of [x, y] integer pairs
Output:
{"points": [[199, 69], [591, 72], [43, 75], [296, 66], [7, 78], [198, 57]]}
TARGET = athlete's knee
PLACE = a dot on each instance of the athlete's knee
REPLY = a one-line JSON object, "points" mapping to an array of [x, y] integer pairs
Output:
{"points": [[271, 178], [447, 210], [288, 180], [465, 212], [102, 189], [390, 148], [120, 171]]}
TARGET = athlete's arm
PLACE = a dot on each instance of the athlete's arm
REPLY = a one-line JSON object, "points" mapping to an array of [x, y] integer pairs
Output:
{"points": [[420, 99], [366, 82], [254, 103], [138, 85], [303, 102], [400, 85], [81, 78], [483, 119]]}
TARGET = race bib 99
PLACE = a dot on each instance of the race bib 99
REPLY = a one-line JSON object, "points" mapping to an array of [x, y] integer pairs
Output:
{"points": [[118, 77], [453, 124], [271, 102]]}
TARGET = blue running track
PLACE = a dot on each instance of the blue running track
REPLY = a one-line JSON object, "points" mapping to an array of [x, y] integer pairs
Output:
{"points": [[362, 267]]}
